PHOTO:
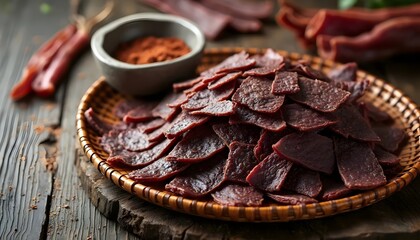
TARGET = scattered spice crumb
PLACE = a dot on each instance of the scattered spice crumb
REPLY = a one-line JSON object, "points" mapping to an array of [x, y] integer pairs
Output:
{"points": [[66, 206], [34, 207], [89, 237], [10, 188]]}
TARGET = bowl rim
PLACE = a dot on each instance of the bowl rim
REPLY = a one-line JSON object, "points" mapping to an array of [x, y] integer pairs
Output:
{"points": [[99, 35]]}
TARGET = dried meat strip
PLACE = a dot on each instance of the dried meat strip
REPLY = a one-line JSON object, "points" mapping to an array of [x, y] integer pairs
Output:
{"points": [[305, 69], [179, 86], [139, 114], [109, 142], [162, 110], [209, 21], [184, 123], [199, 179], [271, 122], [291, 198], [234, 63], [303, 181], [128, 159], [134, 139], [266, 65], [255, 93], [265, 142], [224, 80], [330, 22], [124, 106], [182, 98], [357, 165], [270, 174], [386, 39], [158, 171], [344, 73], [391, 137], [242, 8], [238, 195], [385, 158], [198, 144], [152, 125], [333, 189], [376, 114], [350, 123], [310, 150], [205, 97], [319, 95], [285, 83], [305, 119], [97, 124], [240, 162], [219, 109], [237, 132]]}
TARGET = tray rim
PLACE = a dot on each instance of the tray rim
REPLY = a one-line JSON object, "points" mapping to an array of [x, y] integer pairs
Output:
{"points": [[274, 213]]}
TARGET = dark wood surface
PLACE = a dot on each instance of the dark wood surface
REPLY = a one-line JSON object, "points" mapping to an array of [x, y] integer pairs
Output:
{"points": [[42, 197]]}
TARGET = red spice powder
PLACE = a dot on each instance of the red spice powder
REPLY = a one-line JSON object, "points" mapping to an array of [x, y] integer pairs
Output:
{"points": [[151, 49]]}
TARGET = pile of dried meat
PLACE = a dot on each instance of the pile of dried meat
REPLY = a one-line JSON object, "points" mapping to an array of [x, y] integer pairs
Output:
{"points": [[256, 129], [355, 34], [214, 16]]}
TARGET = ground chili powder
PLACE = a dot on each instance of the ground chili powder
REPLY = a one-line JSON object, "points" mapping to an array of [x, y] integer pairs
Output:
{"points": [[151, 49]]}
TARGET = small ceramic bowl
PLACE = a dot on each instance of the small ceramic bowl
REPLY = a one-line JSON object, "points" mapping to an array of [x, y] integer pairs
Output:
{"points": [[151, 78]]}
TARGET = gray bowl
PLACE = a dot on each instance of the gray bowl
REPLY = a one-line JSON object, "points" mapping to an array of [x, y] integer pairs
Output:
{"points": [[146, 79]]}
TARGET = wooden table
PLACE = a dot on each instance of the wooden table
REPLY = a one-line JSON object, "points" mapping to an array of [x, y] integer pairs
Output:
{"points": [[41, 195]]}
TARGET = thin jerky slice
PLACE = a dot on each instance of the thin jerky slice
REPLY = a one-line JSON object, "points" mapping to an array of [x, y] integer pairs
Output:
{"points": [[345, 72], [357, 165], [152, 125], [391, 137], [376, 114], [272, 122], [386, 158], [237, 132], [205, 97], [139, 114], [310, 150], [255, 93], [184, 123], [234, 63], [222, 108], [230, 77], [97, 124], [265, 142], [124, 106], [306, 119], [135, 140], [200, 179], [270, 174], [285, 83], [303, 181], [199, 144], [109, 142], [238, 195], [291, 198], [182, 98], [158, 171], [159, 133], [240, 162], [212, 78], [266, 64], [125, 158], [306, 70], [319, 95], [177, 87], [162, 110], [333, 189], [196, 88], [350, 123]]}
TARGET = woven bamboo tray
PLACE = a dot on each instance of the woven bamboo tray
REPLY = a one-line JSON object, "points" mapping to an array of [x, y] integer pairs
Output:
{"points": [[404, 111]]}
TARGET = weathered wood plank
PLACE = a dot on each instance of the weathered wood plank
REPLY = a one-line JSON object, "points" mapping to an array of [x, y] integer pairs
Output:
{"points": [[27, 136]]}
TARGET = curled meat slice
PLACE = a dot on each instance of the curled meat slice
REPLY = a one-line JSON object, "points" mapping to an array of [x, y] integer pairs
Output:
{"points": [[391, 137], [240, 162], [134, 139], [270, 174], [272, 122], [184, 123], [303, 181], [319, 95], [237, 132], [291, 198], [198, 144], [222, 108], [310, 150], [160, 170], [200, 179], [306, 119]]}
